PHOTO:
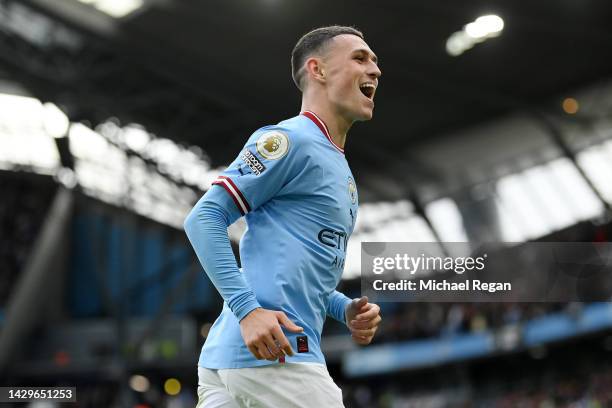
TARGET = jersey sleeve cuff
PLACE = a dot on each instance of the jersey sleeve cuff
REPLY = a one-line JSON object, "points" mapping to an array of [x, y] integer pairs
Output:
{"points": [[345, 306], [338, 303], [241, 305]]}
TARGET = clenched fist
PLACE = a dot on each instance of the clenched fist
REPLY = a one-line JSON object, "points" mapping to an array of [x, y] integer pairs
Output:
{"points": [[362, 318]]}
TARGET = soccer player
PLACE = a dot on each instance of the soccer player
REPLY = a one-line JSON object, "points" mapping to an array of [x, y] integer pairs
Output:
{"points": [[294, 187]]}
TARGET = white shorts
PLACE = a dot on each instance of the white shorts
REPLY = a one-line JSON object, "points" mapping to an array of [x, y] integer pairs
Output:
{"points": [[303, 385]]}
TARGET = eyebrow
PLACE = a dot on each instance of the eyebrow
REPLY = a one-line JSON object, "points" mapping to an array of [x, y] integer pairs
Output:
{"points": [[371, 54]]}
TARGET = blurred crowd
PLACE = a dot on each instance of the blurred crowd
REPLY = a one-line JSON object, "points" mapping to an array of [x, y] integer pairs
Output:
{"points": [[405, 321], [574, 375], [409, 321], [592, 391]]}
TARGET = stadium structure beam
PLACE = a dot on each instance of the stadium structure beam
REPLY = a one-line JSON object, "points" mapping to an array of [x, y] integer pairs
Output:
{"points": [[556, 135], [407, 178], [31, 295]]}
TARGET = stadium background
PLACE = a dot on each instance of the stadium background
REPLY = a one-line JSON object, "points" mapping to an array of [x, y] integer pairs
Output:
{"points": [[115, 116]]}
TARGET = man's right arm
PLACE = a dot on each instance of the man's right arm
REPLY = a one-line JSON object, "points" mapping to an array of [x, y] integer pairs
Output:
{"points": [[206, 227]]}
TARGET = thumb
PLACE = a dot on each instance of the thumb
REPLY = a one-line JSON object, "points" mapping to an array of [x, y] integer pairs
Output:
{"points": [[289, 325], [359, 303]]}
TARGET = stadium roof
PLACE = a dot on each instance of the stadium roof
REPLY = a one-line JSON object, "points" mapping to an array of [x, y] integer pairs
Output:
{"points": [[209, 73]]}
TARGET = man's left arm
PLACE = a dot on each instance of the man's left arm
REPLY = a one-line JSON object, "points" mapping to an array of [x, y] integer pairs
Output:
{"points": [[362, 318]]}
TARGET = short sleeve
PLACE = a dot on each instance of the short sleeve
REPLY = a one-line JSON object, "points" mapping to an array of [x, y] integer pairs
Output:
{"points": [[270, 159]]}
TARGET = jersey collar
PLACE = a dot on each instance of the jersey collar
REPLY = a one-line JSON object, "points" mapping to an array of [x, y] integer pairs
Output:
{"points": [[321, 125]]}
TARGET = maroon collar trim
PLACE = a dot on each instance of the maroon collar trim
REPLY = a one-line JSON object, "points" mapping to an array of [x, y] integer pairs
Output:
{"points": [[321, 125]]}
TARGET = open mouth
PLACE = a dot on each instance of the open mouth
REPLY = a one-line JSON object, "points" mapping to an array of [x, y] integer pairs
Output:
{"points": [[367, 89]]}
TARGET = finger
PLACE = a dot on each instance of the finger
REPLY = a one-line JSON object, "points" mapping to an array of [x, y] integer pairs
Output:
{"points": [[359, 324], [362, 324], [370, 314], [360, 329], [274, 356], [284, 344], [365, 324], [360, 337], [361, 340], [272, 347], [289, 325], [255, 352], [359, 303], [364, 333], [263, 350]]}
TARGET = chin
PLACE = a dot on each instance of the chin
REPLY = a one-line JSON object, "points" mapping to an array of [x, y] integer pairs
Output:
{"points": [[364, 115]]}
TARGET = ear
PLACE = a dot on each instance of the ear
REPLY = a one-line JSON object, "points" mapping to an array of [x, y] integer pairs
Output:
{"points": [[315, 68]]}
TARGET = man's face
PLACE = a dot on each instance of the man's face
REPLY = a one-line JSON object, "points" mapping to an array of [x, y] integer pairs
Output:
{"points": [[351, 73]]}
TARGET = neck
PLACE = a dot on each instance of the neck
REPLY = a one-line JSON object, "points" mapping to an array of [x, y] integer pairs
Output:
{"points": [[337, 125]]}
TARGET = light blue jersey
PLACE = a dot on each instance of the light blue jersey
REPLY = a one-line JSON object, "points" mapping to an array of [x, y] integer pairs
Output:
{"points": [[299, 198]]}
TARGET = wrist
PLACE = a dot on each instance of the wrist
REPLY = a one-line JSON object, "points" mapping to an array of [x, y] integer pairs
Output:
{"points": [[250, 312]]}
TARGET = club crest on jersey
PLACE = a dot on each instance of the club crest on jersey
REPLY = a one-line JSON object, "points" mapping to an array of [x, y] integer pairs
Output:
{"points": [[273, 145], [352, 190]]}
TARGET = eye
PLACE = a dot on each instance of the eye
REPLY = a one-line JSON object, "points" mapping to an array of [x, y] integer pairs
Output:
{"points": [[359, 58]]}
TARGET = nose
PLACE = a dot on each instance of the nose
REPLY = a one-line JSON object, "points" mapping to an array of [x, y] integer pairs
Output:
{"points": [[374, 71]]}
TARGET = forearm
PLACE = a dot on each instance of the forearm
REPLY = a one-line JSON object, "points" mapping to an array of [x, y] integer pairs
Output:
{"points": [[206, 227]]}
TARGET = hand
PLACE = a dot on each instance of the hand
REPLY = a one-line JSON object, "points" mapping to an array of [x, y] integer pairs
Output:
{"points": [[362, 318], [262, 333]]}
